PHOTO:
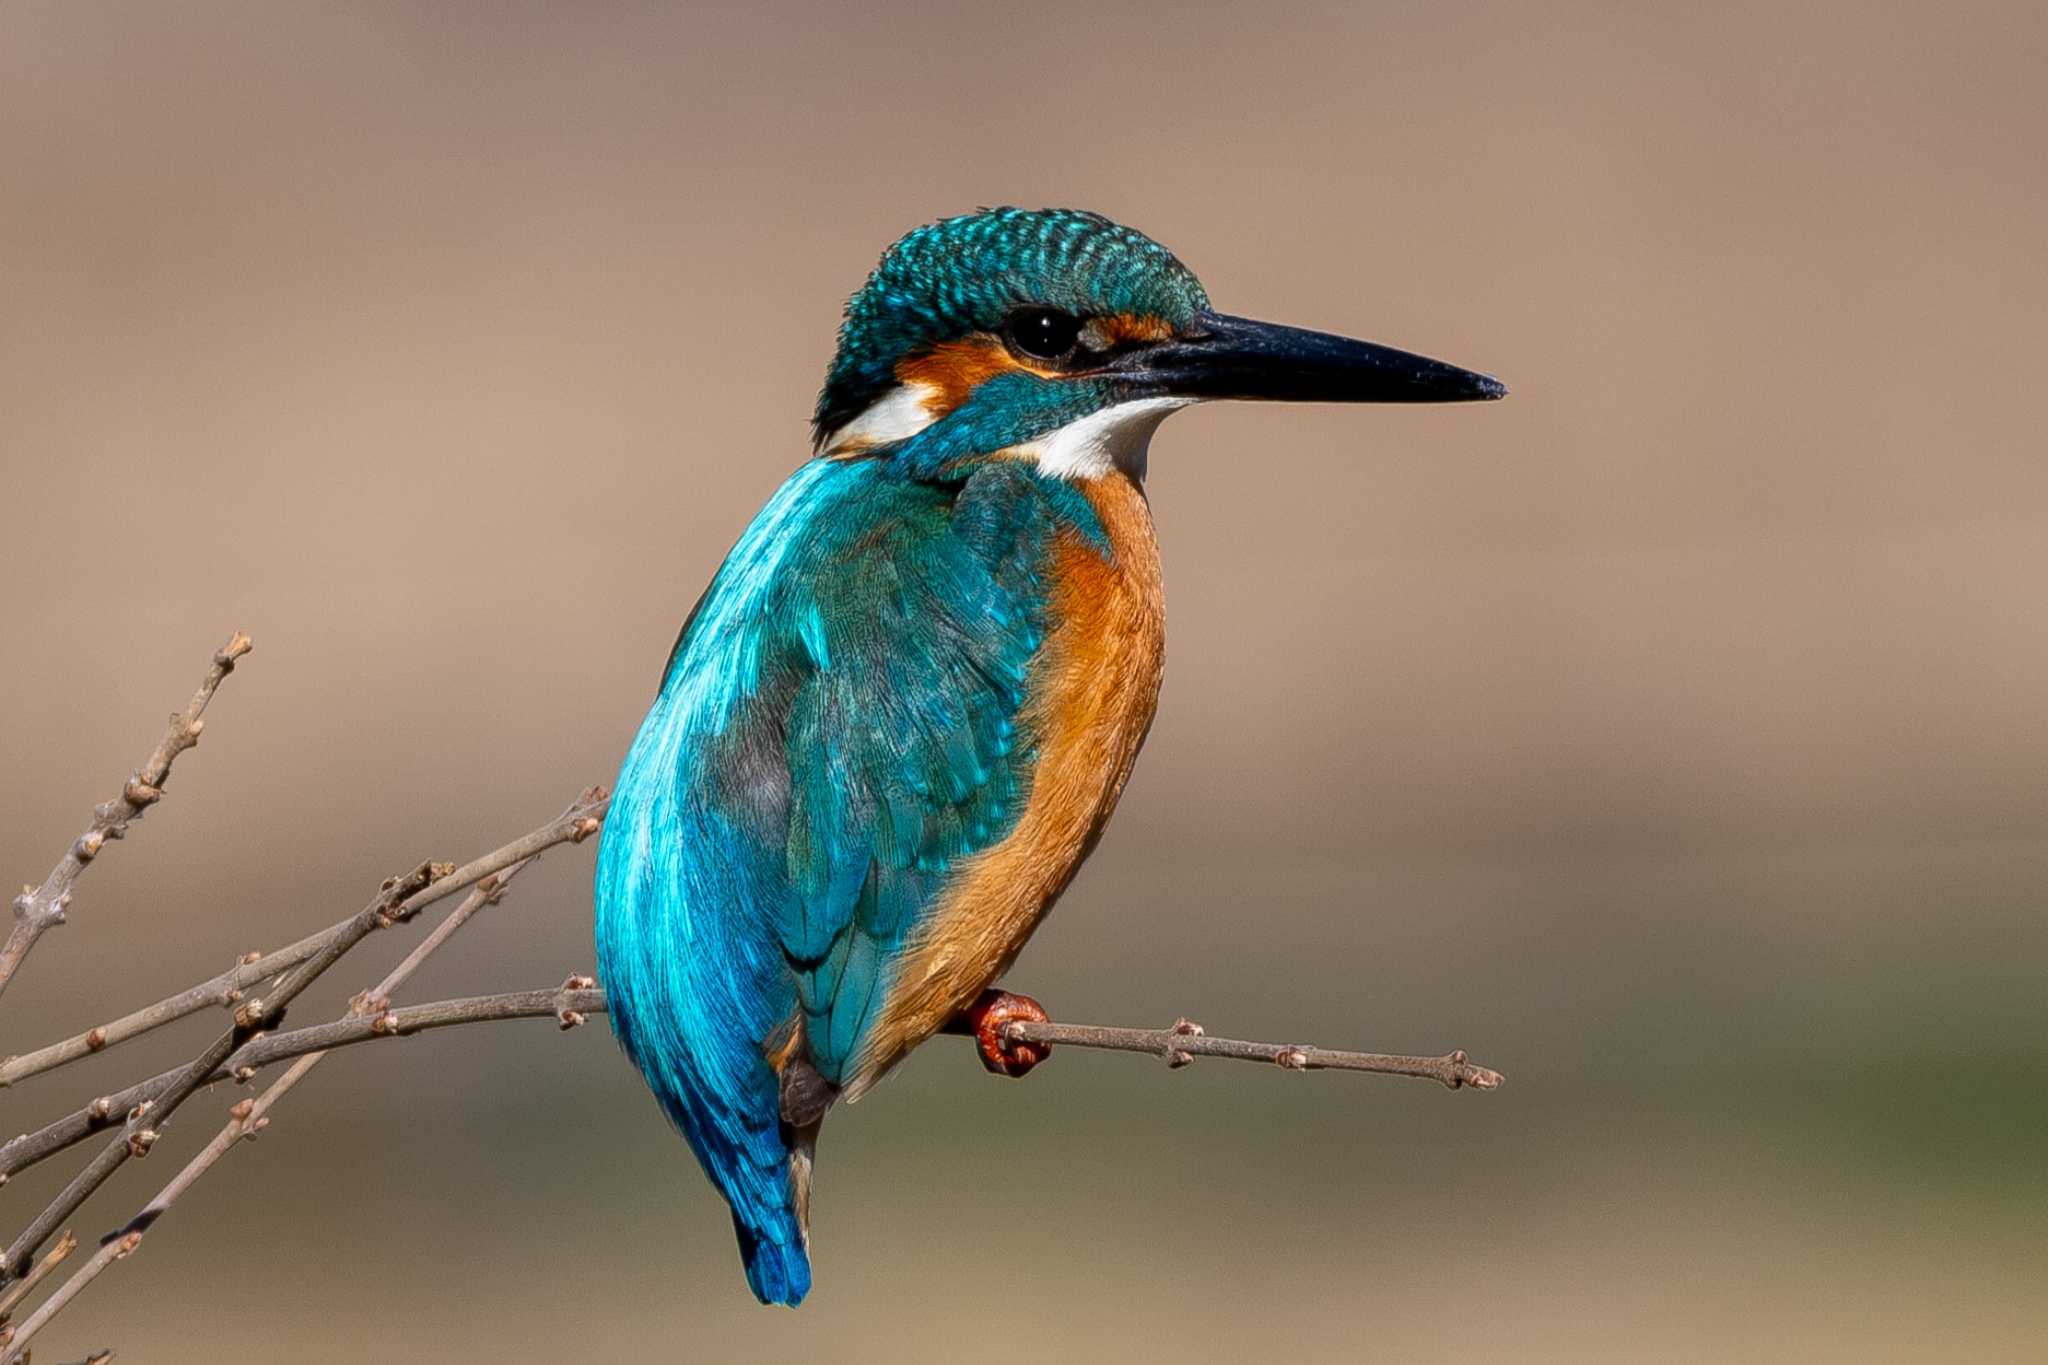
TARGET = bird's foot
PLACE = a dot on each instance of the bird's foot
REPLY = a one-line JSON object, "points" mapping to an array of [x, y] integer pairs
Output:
{"points": [[986, 1019]]}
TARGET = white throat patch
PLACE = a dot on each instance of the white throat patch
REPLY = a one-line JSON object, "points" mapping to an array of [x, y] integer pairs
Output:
{"points": [[1115, 438]]}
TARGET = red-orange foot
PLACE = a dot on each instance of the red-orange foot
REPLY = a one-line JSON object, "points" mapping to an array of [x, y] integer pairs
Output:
{"points": [[985, 1019]]}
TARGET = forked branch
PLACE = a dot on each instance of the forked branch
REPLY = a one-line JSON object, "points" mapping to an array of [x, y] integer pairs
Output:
{"points": [[38, 909], [399, 899], [370, 1009]]}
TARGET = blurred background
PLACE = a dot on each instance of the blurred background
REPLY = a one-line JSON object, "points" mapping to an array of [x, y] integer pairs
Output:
{"points": [[1671, 736]]}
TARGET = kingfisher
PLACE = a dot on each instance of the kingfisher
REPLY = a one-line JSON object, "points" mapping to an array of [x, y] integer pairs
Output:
{"points": [[903, 711]]}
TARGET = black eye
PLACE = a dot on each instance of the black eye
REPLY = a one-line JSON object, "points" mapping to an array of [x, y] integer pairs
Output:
{"points": [[1043, 332]]}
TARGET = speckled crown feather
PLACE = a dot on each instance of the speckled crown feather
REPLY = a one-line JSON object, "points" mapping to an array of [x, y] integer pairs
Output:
{"points": [[964, 274]]}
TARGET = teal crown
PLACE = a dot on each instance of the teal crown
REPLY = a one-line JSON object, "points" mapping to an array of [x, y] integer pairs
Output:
{"points": [[966, 274]]}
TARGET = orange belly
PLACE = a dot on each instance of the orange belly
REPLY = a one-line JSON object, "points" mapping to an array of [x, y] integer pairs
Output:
{"points": [[1094, 689]]}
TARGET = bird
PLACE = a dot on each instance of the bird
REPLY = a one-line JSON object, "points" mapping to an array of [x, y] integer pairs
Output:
{"points": [[902, 712]]}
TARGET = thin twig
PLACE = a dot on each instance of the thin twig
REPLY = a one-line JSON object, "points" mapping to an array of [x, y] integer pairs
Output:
{"points": [[39, 909], [399, 899], [1185, 1041], [273, 1048], [370, 1012], [109, 1252], [227, 988], [145, 1121], [20, 1153], [569, 1004], [25, 1286], [1177, 1045], [575, 1000]]}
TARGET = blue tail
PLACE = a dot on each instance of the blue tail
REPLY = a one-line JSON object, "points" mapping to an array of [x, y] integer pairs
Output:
{"points": [[777, 1272]]}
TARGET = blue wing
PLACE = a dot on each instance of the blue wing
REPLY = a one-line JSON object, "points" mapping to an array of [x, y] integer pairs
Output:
{"points": [[839, 726]]}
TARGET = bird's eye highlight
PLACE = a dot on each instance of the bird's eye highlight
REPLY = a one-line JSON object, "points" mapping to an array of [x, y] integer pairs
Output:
{"points": [[1043, 333]]}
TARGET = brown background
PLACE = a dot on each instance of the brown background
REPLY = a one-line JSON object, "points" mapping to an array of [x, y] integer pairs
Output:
{"points": [[1672, 735]]}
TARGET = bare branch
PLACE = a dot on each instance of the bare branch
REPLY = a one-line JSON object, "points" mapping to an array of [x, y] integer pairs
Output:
{"points": [[40, 908], [576, 999], [1179, 1045], [227, 988], [24, 1151], [399, 899], [66, 1244], [569, 1004], [140, 1131], [109, 1252], [1185, 1041], [27, 1150], [369, 1013]]}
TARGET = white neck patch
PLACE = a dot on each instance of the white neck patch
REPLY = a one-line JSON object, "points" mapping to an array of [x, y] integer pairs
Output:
{"points": [[1116, 438], [897, 415]]}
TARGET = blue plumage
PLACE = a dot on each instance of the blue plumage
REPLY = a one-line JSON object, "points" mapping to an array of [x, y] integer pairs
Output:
{"points": [[839, 725]]}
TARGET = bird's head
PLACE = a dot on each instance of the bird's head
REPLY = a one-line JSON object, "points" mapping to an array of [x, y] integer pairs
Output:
{"points": [[1059, 336]]}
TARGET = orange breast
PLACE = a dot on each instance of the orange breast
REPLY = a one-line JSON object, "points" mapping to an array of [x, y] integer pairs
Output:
{"points": [[1094, 689]]}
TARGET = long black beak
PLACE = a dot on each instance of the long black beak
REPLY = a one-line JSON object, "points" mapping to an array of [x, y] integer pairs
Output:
{"points": [[1227, 357]]}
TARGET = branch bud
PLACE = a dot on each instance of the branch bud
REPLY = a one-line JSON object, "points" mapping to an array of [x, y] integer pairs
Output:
{"points": [[1183, 1027]]}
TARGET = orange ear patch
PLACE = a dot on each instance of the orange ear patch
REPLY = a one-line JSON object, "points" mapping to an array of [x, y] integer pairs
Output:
{"points": [[954, 369]]}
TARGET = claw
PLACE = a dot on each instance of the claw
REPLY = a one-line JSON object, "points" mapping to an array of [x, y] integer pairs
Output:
{"points": [[986, 1019]]}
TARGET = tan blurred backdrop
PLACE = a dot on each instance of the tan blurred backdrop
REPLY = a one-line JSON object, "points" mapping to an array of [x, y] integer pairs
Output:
{"points": [[1672, 736]]}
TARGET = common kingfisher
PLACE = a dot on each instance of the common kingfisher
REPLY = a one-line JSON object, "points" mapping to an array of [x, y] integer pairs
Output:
{"points": [[898, 719]]}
